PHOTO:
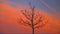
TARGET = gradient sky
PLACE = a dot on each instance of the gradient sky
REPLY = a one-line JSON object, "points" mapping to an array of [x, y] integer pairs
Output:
{"points": [[38, 4], [10, 13]]}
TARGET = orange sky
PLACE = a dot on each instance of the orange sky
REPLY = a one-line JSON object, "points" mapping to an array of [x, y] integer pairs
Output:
{"points": [[9, 24]]}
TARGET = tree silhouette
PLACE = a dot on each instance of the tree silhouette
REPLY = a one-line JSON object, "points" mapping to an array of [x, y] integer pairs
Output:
{"points": [[33, 18]]}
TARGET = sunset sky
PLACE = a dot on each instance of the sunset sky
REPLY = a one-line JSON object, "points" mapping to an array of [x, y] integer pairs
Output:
{"points": [[10, 12]]}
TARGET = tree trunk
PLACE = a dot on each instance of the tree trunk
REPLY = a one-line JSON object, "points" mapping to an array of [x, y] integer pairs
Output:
{"points": [[32, 20], [32, 28]]}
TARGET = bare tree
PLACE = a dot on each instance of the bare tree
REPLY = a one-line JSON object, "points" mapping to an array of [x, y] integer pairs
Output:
{"points": [[33, 18]]}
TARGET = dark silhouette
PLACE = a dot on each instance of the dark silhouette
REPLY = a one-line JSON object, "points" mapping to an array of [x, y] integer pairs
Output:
{"points": [[31, 16]]}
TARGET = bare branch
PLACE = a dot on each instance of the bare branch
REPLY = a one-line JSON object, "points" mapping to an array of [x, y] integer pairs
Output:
{"points": [[39, 20], [41, 25], [25, 14], [23, 22]]}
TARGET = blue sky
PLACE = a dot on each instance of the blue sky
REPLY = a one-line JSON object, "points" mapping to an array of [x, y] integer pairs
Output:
{"points": [[37, 3]]}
